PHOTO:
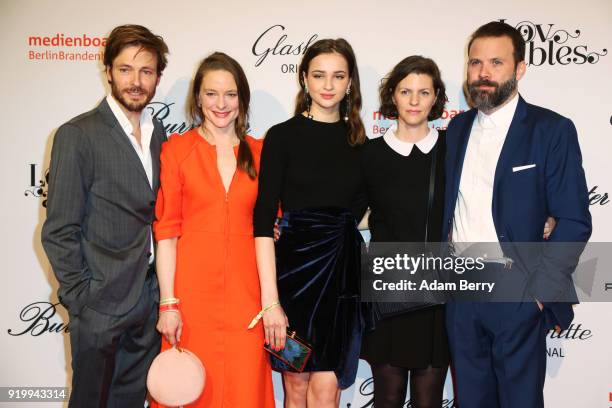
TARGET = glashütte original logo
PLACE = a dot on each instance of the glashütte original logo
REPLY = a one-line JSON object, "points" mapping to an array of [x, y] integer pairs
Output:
{"points": [[64, 47], [575, 332], [549, 44], [274, 42], [38, 187]]}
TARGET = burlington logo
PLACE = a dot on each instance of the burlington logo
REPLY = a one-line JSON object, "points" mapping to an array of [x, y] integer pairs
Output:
{"points": [[552, 45], [39, 318], [161, 111]]}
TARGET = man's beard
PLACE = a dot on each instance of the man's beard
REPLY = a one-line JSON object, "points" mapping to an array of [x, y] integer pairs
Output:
{"points": [[131, 106], [486, 100]]}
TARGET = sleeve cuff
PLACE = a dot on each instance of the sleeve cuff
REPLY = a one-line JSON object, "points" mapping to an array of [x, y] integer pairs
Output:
{"points": [[167, 232]]}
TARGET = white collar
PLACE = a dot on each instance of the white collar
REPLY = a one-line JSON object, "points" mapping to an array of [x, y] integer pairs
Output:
{"points": [[501, 117], [405, 148], [126, 125]]}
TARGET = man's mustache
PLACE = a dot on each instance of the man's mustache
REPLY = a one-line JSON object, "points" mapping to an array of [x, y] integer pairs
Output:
{"points": [[484, 82]]}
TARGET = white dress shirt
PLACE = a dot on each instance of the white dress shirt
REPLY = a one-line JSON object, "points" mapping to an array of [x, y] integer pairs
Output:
{"points": [[404, 148], [143, 149], [473, 217]]}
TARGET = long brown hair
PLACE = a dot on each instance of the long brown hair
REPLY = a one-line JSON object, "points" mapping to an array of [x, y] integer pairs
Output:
{"points": [[219, 61], [356, 131]]}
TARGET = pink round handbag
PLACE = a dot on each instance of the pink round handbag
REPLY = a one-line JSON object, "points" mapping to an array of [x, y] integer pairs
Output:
{"points": [[176, 377]]}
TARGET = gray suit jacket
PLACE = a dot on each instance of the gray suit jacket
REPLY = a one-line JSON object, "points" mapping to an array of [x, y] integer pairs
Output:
{"points": [[100, 210]]}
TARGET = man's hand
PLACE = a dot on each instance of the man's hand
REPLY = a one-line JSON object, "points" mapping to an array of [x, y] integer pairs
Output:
{"points": [[541, 306], [549, 227]]}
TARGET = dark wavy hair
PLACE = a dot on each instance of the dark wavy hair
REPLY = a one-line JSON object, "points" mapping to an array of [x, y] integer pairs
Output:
{"points": [[219, 61], [356, 130], [415, 64], [499, 29], [135, 35]]}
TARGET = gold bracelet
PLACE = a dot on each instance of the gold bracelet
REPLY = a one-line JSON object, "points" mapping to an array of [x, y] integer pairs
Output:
{"points": [[261, 313], [169, 301]]}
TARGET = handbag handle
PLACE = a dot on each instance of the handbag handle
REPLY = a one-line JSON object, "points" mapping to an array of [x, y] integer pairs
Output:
{"points": [[432, 182]]}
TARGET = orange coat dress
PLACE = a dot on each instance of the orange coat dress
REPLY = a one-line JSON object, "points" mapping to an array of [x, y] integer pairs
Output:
{"points": [[216, 276]]}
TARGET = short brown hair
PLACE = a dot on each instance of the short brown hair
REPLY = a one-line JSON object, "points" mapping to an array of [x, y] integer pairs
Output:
{"points": [[135, 35], [500, 29], [415, 64], [219, 61]]}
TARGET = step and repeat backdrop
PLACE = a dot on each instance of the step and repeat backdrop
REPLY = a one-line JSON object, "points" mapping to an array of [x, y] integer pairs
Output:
{"points": [[51, 58]]}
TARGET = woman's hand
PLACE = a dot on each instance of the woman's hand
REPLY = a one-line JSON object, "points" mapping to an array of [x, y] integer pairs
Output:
{"points": [[170, 325], [275, 327]]}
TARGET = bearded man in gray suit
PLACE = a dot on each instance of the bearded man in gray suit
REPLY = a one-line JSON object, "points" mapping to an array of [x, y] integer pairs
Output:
{"points": [[104, 176]]}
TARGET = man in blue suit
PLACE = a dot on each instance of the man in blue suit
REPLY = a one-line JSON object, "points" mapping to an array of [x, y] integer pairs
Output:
{"points": [[510, 165]]}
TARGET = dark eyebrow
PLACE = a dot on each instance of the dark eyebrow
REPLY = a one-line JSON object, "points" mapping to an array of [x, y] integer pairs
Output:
{"points": [[214, 90], [319, 71]]}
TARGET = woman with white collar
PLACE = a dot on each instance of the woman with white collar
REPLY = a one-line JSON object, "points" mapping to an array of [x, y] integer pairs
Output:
{"points": [[397, 169]]}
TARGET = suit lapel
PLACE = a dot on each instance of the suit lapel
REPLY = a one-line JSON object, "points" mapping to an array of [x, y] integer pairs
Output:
{"points": [[155, 148], [516, 134], [118, 134]]}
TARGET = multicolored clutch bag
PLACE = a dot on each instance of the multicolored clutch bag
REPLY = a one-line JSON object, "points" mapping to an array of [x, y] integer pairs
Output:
{"points": [[293, 357]]}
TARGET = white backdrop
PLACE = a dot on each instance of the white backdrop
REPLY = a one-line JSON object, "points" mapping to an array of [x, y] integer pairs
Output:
{"points": [[45, 84]]}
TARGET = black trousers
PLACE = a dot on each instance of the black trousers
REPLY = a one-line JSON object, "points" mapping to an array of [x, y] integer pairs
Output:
{"points": [[112, 354]]}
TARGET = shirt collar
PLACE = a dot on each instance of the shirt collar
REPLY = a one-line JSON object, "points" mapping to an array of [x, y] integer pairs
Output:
{"points": [[501, 117], [405, 148], [145, 116]]}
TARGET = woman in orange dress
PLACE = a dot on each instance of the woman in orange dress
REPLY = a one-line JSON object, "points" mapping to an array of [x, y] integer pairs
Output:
{"points": [[205, 251]]}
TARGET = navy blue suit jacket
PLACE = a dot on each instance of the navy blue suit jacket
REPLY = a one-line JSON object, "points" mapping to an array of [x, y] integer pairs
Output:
{"points": [[522, 200]]}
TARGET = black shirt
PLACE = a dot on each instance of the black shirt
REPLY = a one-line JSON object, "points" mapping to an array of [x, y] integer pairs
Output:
{"points": [[307, 164], [397, 188]]}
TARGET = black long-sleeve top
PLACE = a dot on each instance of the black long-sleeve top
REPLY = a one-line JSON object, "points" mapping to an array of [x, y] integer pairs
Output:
{"points": [[307, 164], [398, 189]]}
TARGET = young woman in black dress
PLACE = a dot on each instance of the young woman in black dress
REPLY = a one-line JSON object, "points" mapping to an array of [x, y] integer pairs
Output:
{"points": [[310, 165]]}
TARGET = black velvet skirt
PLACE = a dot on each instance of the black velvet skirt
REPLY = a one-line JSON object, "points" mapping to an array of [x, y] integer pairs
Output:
{"points": [[317, 267]]}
